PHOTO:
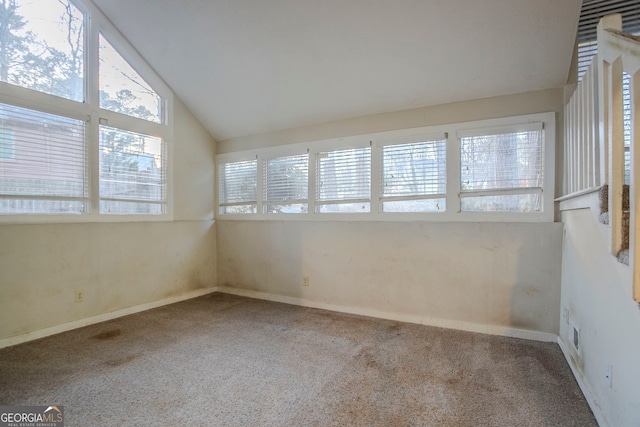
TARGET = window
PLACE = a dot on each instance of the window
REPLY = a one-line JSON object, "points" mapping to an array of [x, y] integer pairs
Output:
{"points": [[132, 173], [344, 181], [48, 172], [286, 184], [490, 170], [42, 47], [123, 90], [414, 176], [238, 183], [62, 152], [501, 171]]}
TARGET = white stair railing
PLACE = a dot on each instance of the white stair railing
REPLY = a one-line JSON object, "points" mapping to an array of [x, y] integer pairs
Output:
{"points": [[594, 133]]}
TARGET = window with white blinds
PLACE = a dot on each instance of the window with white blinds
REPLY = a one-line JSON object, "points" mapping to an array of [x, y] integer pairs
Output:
{"points": [[62, 152], [502, 171], [132, 173], [459, 171], [42, 163], [238, 183], [414, 177], [286, 184], [591, 13], [343, 181]]}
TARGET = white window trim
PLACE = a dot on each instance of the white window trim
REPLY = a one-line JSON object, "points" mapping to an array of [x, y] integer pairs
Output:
{"points": [[337, 145], [275, 154], [421, 137], [92, 114], [377, 140]]}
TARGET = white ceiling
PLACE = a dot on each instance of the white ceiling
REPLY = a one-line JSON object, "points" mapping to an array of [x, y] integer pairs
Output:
{"points": [[251, 66]]}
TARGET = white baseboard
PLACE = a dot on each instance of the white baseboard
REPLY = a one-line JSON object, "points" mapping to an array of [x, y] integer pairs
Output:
{"points": [[400, 317], [41, 333], [582, 383]]}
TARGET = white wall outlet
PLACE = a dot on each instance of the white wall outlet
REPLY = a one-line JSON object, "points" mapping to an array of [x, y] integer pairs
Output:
{"points": [[79, 296], [305, 281], [608, 371]]}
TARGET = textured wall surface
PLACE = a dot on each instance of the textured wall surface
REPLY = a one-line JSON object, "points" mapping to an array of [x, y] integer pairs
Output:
{"points": [[503, 274]]}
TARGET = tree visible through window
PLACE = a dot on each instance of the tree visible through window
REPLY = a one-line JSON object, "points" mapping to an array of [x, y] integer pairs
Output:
{"points": [[123, 90], [42, 48], [501, 172]]}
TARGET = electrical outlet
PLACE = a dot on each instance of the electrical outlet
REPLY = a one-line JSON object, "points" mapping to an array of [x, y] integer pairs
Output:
{"points": [[608, 371], [305, 281], [79, 296]]}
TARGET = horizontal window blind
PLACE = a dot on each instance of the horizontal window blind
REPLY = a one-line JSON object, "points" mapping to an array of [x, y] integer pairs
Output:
{"points": [[414, 169], [42, 162], [286, 184], [593, 10], [132, 173], [344, 180], [237, 186], [497, 170], [591, 13], [412, 173]]}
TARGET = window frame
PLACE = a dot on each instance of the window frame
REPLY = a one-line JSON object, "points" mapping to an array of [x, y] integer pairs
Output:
{"points": [[406, 140], [89, 111], [331, 146], [377, 141], [504, 191], [262, 204]]}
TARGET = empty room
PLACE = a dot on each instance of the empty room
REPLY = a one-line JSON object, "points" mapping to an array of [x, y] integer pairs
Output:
{"points": [[324, 213]]}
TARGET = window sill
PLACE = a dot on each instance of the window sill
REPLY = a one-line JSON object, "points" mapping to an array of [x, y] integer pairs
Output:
{"points": [[397, 217], [81, 219]]}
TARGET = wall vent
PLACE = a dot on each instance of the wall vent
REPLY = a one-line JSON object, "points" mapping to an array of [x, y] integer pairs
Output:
{"points": [[574, 332]]}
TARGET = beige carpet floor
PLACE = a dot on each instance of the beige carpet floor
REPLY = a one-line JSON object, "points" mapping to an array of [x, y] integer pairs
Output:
{"points": [[223, 360]]}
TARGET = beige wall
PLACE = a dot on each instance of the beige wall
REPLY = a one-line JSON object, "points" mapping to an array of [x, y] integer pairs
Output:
{"points": [[498, 274], [550, 100], [596, 296], [116, 265]]}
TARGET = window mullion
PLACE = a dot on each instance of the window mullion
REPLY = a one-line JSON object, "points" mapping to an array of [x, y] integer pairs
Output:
{"points": [[260, 185], [453, 173], [376, 177], [92, 99], [313, 179]]}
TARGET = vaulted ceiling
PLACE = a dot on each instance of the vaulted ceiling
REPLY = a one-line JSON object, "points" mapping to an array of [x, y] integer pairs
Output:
{"points": [[252, 66]]}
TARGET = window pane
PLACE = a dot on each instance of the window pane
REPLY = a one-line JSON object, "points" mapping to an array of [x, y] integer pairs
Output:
{"points": [[123, 90], [506, 203], [238, 209], [423, 205], [510, 160], [43, 158], [344, 175], [287, 207], [286, 184], [414, 169], [132, 169], [238, 183], [119, 207], [42, 47], [344, 208]]}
